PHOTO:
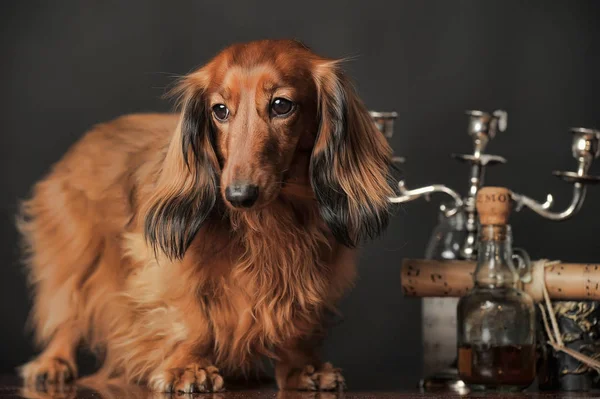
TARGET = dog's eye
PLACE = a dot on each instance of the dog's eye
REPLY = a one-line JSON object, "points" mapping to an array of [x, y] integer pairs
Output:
{"points": [[281, 107], [221, 112]]}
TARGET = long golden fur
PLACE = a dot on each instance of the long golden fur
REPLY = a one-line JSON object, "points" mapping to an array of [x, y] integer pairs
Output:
{"points": [[135, 249]]}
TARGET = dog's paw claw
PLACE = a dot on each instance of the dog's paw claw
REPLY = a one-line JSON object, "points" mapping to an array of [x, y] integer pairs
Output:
{"points": [[192, 379]]}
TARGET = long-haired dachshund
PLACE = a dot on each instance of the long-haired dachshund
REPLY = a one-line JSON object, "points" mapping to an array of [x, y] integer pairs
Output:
{"points": [[180, 247]]}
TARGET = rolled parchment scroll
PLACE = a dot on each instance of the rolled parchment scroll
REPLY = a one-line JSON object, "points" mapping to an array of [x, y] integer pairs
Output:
{"points": [[565, 281]]}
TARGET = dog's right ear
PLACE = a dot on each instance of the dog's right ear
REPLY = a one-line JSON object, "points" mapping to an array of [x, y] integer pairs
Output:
{"points": [[186, 190]]}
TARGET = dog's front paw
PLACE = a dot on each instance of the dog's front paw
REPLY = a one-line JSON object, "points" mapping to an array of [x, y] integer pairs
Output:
{"points": [[326, 378], [45, 371], [192, 379]]}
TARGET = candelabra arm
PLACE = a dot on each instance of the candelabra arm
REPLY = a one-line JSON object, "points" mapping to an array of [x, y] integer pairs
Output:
{"points": [[543, 210], [411, 195]]}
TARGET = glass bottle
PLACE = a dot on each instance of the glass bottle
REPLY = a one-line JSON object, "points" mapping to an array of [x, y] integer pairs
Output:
{"points": [[448, 237], [496, 320]]}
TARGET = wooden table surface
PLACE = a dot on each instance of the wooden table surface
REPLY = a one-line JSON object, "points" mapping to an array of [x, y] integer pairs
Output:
{"points": [[10, 388]]}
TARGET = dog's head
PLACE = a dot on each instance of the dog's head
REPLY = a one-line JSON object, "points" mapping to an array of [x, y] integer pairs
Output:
{"points": [[247, 119]]}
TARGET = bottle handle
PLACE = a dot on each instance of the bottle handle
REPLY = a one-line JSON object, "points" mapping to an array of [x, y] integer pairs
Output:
{"points": [[523, 262]]}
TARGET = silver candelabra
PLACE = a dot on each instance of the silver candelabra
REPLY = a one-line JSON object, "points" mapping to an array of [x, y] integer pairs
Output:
{"points": [[482, 128]]}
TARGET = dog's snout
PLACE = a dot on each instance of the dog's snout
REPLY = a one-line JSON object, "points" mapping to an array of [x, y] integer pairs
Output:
{"points": [[241, 195]]}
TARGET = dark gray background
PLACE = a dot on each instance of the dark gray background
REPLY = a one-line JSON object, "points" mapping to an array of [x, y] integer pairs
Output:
{"points": [[67, 65]]}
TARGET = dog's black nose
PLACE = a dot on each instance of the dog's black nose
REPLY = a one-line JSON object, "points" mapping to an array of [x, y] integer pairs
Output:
{"points": [[241, 195]]}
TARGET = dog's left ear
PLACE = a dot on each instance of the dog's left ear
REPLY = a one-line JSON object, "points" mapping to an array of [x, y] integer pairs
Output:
{"points": [[351, 161]]}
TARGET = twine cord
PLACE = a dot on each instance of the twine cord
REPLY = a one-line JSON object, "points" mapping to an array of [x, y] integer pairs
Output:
{"points": [[555, 340]]}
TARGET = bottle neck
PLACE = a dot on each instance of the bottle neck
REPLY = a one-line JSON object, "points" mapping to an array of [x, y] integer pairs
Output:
{"points": [[495, 268]]}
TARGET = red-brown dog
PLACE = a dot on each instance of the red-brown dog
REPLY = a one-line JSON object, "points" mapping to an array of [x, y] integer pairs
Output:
{"points": [[181, 245]]}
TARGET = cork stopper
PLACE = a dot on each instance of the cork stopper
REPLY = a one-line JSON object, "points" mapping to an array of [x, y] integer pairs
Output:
{"points": [[493, 205]]}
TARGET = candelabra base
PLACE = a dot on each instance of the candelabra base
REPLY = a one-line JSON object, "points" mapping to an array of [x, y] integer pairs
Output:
{"points": [[446, 380]]}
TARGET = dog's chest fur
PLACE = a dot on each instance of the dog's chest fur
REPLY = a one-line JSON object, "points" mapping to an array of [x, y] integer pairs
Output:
{"points": [[253, 294]]}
